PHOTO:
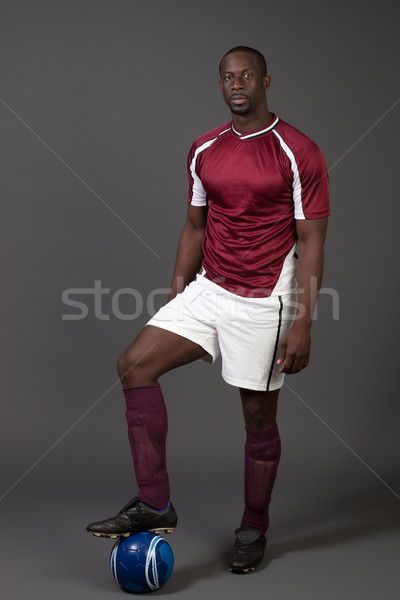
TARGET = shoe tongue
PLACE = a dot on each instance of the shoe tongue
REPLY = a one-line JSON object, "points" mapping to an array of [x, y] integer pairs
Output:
{"points": [[248, 535]]}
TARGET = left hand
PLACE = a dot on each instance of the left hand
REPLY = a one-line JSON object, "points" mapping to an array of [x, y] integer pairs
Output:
{"points": [[296, 348]]}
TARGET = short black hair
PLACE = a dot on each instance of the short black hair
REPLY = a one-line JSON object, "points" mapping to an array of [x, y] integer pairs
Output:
{"points": [[260, 57]]}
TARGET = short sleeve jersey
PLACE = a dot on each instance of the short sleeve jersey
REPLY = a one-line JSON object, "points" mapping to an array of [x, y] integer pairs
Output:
{"points": [[255, 185]]}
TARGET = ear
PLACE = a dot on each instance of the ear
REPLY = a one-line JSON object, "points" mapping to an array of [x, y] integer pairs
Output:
{"points": [[220, 86], [266, 82]]}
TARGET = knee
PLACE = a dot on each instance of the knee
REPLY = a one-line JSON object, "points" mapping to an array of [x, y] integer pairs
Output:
{"points": [[136, 369], [259, 409], [257, 418], [122, 367], [127, 364]]}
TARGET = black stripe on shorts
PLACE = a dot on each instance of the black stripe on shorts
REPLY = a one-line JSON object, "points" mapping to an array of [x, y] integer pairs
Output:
{"points": [[276, 341]]}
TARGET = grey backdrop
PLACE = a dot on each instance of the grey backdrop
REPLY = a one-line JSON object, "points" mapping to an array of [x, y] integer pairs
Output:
{"points": [[99, 104]]}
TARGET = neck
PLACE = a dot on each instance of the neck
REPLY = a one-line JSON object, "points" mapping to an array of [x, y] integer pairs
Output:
{"points": [[251, 122]]}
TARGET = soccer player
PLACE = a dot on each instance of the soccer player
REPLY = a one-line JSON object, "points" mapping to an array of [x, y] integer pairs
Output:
{"points": [[248, 269]]}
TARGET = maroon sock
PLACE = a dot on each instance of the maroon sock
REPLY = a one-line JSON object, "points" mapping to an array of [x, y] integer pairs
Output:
{"points": [[262, 454], [146, 416]]}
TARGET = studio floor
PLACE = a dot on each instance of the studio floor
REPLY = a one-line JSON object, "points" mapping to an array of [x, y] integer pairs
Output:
{"points": [[347, 547]]}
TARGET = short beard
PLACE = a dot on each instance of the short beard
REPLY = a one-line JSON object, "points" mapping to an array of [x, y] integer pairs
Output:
{"points": [[244, 109]]}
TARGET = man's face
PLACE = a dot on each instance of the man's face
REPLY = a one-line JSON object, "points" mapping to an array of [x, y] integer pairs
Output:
{"points": [[242, 85]]}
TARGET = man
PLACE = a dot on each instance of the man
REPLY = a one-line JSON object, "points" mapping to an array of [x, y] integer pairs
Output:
{"points": [[258, 188]]}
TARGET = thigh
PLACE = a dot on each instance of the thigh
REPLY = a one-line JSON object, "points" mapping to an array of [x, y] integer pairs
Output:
{"points": [[154, 352]]}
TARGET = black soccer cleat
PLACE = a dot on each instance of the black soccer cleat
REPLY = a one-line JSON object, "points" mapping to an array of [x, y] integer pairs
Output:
{"points": [[133, 518], [248, 550]]}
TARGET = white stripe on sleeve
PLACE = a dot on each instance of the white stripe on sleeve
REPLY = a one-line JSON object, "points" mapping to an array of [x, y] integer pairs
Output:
{"points": [[199, 194], [297, 198]]}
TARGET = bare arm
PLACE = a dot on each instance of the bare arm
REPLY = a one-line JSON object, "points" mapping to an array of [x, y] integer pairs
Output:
{"points": [[190, 253], [297, 343]]}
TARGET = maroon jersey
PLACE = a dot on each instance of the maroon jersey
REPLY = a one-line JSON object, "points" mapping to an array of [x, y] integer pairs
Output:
{"points": [[255, 185]]}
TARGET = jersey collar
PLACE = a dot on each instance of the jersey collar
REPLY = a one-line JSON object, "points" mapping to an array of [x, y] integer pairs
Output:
{"points": [[254, 134]]}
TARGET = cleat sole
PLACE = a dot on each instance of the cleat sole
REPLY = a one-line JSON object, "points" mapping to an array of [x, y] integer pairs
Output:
{"points": [[115, 536], [162, 530], [112, 536], [250, 569]]}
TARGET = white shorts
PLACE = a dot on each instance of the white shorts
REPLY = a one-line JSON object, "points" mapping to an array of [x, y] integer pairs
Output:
{"points": [[246, 331]]}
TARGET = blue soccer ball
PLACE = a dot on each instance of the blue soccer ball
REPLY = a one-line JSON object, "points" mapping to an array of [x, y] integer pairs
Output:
{"points": [[142, 563]]}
